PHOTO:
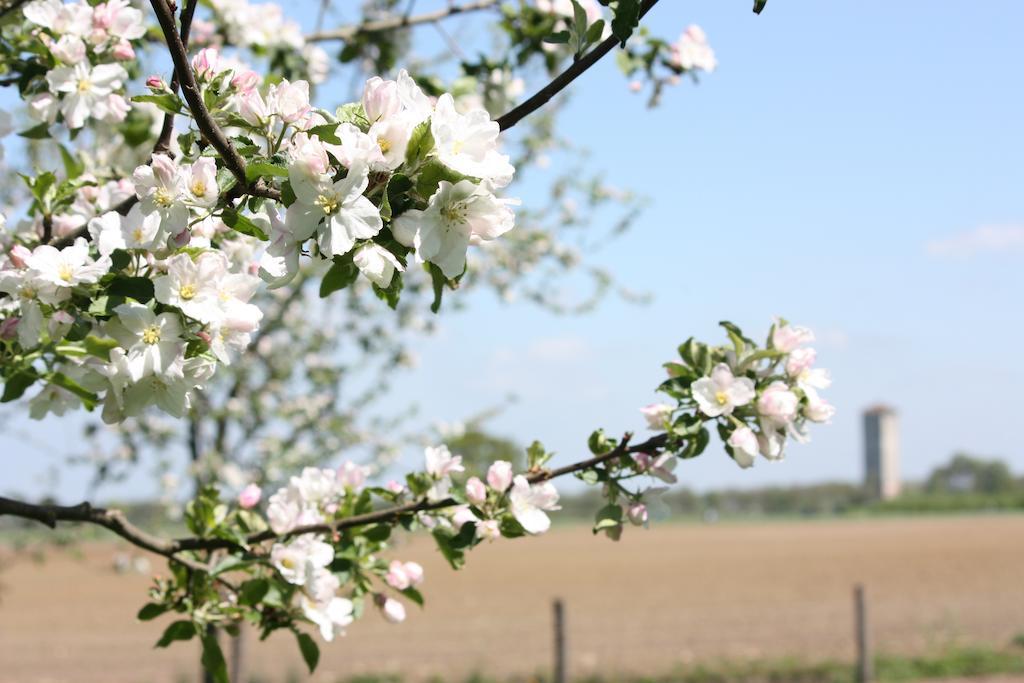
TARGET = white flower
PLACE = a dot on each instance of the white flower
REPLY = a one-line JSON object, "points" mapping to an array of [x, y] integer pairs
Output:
{"points": [[743, 442], [71, 18], [112, 231], [357, 148], [455, 216], [337, 211], [352, 476], [657, 415], [67, 267], [391, 138], [161, 186], [468, 143], [201, 182], [441, 462], [298, 559], [315, 485], [193, 286], [402, 575], [786, 338], [778, 404], [817, 408], [331, 617], [692, 51], [377, 264], [720, 393], [86, 90], [153, 342], [771, 443], [288, 100], [393, 610], [415, 104], [529, 503], [380, 99]]}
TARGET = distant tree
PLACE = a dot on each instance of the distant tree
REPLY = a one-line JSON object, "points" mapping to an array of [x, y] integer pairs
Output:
{"points": [[969, 474]]}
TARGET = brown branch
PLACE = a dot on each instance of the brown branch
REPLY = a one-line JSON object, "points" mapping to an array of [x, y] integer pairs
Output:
{"points": [[115, 521], [404, 21], [163, 143], [562, 80]]}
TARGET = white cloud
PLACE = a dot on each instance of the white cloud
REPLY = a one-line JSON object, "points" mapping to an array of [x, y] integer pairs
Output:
{"points": [[985, 238]]}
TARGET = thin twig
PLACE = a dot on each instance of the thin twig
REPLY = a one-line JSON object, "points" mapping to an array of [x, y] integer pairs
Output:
{"points": [[403, 21], [163, 143], [562, 80]]}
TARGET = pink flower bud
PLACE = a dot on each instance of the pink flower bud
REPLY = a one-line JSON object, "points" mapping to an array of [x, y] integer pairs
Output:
{"points": [[476, 492], [391, 609], [123, 50], [205, 336], [499, 475], [488, 529], [245, 81], [18, 255], [635, 86], [183, 238], [637, 513], [155, 83], [206, 62], [249, 497], [9, 328], [395, 486]]}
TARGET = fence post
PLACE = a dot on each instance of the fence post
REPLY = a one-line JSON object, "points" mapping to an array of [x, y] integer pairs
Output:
{"points": [[865, 658], [559, 613]]}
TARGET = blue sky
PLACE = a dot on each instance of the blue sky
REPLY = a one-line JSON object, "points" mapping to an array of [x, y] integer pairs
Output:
{"points": [[855, 167]]}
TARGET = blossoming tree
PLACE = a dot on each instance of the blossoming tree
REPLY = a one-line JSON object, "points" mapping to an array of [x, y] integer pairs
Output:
{"points": [[177, 221]]}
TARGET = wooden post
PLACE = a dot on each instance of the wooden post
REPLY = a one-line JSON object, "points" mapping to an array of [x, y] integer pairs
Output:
{"points": [[865, 658], [559, 613], [238, 655]]}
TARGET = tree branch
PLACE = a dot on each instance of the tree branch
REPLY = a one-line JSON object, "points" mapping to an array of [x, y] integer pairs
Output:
{"points": [[163, 143], [349, 32], [562, 80], [115, 521], [194, 98]]}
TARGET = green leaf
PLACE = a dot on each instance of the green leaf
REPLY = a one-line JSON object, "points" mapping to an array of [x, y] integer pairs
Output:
{"points": [[179, 630], [138, 288], [17, 383], [413, 595], [259, 169], [327, 132], [536, 456], [378, 533], [438, 281], [166, 102], [595, 32], [213, 659], [89, 399], [511, 528], [599, 443], [456, 556], [120, 259], [310, 650], [150, 611], [38, 132], [421, 143], [558, 38], [626, 19], [431, 175], [228, 564], [72, 166], [759, 5], [343, 272], [240, 223], [607, 517], [252, 591]]}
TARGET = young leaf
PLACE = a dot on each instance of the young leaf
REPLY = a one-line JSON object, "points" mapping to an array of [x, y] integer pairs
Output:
{"points": [[150, 611], [213, 659], [310, 650], [179, 630], [240, 223], [343, 272]]}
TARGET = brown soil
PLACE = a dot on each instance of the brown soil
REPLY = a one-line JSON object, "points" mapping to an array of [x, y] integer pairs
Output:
{"points": [[671, 595]]}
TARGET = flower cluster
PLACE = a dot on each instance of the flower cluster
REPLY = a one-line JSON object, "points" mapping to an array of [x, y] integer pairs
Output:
{"points": [[755, 398], [85, 48]]}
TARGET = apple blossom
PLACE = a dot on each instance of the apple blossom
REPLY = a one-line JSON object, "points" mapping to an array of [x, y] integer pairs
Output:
{"points": [[657, 415], [476, 492], [456, 215], [499, 475], [249, 497], [85, 90], [529, 502], [722, 392], [192, 286], [377, 264], [743, 442], [787, 337], [778, 404]]}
